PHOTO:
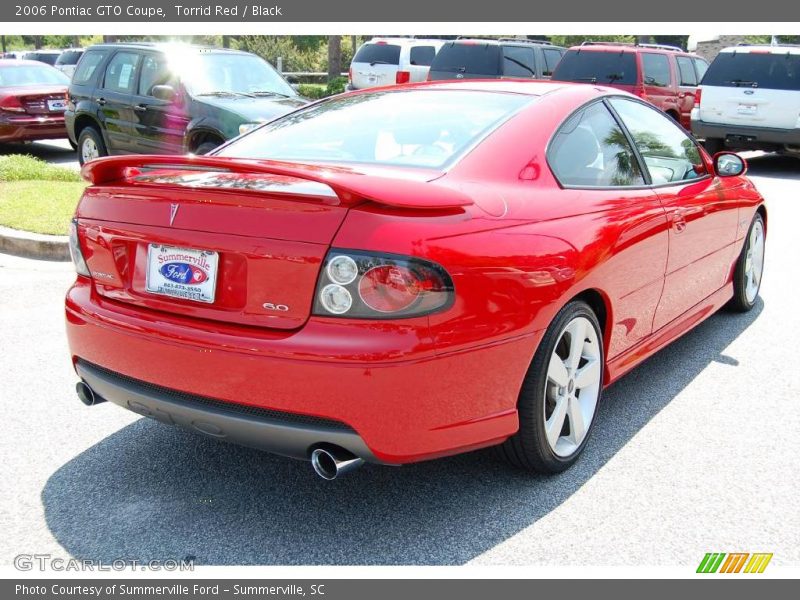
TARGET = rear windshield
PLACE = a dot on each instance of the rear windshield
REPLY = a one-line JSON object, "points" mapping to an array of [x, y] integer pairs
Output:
{"points": [[378, 54], [477, 59], [421, 128], [69, 57], [747, 69], [48, 59], [31, 75], [593, 66]]}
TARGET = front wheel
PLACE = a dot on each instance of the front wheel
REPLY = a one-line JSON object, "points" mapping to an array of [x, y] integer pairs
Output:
{"points": [[749, 268], [560, 393]]}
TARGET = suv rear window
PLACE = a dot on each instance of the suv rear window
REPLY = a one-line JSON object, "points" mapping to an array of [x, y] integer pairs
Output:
{"points": [[477, 59], [745, 69], [519, 62], [388, 54], [597, 67]]}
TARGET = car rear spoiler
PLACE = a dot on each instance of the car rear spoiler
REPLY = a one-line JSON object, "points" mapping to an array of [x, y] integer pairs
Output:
{"points": [[346, 184]]}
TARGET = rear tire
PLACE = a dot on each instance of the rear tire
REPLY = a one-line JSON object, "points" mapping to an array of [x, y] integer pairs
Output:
{"points": [[90, 145], [749, 268], [713, 145], [560, 394]]}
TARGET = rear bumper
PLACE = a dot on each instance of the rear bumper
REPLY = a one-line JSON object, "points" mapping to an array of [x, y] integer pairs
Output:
{"points": [[737, 136], [280, 433], [21, 129], [394, 399]]}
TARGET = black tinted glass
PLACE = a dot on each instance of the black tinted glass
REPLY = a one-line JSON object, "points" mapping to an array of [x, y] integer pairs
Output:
{"points": [[597, 67], [378, 53], [747, 69], [422, 55], [477, 59]]}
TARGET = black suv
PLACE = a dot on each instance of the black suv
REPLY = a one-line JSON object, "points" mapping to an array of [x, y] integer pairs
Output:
{"points": [[169, 99], [495, 59]]}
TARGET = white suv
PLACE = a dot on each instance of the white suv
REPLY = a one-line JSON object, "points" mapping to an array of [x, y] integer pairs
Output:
{"points": [[749, 99], [389, 61]]}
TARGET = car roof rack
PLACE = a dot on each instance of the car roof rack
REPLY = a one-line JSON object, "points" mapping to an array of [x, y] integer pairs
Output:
{"points": [[636, 45], [770, 45], [526, 41]]}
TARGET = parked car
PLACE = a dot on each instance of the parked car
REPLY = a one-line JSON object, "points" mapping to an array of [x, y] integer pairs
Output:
{"points": [[48, 57], [398, 275], [169, 99], [32, 101], [665, 76], [751, 100], [388, 61], [495, 59], [14, 54], [68, 60]]}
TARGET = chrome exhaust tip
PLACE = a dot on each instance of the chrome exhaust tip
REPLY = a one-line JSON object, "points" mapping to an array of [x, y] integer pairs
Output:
{"points": [[329, 463], [87, 395]]}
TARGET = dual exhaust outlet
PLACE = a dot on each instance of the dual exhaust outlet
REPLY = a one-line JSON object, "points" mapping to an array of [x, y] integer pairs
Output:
{"points": [[328, 462]]}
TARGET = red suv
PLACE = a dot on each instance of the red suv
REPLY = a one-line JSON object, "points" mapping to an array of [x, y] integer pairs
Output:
{"points": [[665, 76]]}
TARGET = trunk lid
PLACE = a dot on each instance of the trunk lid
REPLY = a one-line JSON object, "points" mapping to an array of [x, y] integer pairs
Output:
{"points": [[246, 244], [45, 100]]}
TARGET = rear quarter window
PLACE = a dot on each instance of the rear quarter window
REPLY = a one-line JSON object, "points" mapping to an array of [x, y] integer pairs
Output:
{"points": [[762, 70], [378, 54], [478, 59], [655, 69], [69, 57], [87, 66], [422, 55], [597, 66], [551, 60], [519, 62]]}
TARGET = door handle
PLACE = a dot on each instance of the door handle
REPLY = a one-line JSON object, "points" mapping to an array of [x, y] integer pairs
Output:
{"points": [[140, 107], [101, 101], [679, 220]]}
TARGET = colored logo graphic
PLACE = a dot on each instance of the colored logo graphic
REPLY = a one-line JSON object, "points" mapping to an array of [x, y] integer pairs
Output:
{"points": [[180, 272], [734, 562]]}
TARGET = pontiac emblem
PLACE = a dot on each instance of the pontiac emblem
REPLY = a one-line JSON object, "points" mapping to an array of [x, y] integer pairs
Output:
{"points": [[173, 210]]}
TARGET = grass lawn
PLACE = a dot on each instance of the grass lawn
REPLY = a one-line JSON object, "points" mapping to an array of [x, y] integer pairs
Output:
{"points": [[36, 196]]}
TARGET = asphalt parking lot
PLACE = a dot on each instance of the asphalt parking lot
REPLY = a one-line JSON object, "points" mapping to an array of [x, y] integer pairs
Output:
{"points": [[695, 451], [57, 152]]}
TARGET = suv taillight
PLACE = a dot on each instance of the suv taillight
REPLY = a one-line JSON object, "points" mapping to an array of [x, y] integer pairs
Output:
{"points": [[639, 91], [370, 285], [402, 77], [697, 94]]}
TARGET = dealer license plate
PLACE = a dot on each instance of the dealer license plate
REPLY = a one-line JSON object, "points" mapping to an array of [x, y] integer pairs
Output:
{"points": [[747, 109], [57, 105], [182, 272]]}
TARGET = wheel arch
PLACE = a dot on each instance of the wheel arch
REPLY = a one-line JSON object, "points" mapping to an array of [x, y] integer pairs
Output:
{"points": [[198, 135], [762, 210], [82, 121], [600, 304]]}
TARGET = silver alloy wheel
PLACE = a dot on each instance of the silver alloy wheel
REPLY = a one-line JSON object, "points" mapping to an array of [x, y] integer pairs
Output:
{"points": [[574, 376], [89, 149], [754, 261]]}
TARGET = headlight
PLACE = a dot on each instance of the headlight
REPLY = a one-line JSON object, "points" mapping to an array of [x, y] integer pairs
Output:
{"points": [[370, 285], [75, 250], [245, 127]]}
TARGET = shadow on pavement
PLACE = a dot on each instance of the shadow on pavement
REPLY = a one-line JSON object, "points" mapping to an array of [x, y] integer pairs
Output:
{"points": [[150, 491], [55, 152], [774, 165]]}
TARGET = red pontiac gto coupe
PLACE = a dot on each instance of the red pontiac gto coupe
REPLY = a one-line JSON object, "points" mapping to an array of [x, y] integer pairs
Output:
{"points": [[410, 272]]}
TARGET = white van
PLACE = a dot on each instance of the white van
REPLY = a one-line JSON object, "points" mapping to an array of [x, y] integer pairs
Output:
{"points": [[390, 61], [749, 99]]}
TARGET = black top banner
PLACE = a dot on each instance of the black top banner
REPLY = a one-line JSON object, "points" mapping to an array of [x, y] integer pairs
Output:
{"points": [[360, 11]]}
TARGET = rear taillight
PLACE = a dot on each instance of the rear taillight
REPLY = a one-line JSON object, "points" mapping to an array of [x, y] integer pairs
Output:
{"points": [[75, 250], [365, 285], [11, 104], [697, 95], [639, 91], [402, 77]]}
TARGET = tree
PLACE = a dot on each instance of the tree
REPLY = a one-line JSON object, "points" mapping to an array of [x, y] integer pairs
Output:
{"points": [[334, 57]]}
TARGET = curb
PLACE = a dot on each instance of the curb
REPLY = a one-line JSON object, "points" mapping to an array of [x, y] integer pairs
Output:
{"points": [[34, 245]]}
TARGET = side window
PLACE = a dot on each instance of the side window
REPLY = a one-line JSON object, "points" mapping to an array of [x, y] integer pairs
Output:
{"points": [[669, 154], [87, 66], [656, 69], [686, 70], [702, 67], [422, 55], [590, 149], [551, 59], [518, 62], [155, 71], [121, 72]]}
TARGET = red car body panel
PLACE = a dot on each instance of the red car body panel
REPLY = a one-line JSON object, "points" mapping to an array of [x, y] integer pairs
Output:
{"points": [[517, 246], [34, 121]]}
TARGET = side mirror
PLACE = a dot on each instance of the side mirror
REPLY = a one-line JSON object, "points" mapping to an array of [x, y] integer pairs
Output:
{"points": [[164, 92], [728, 164]]}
